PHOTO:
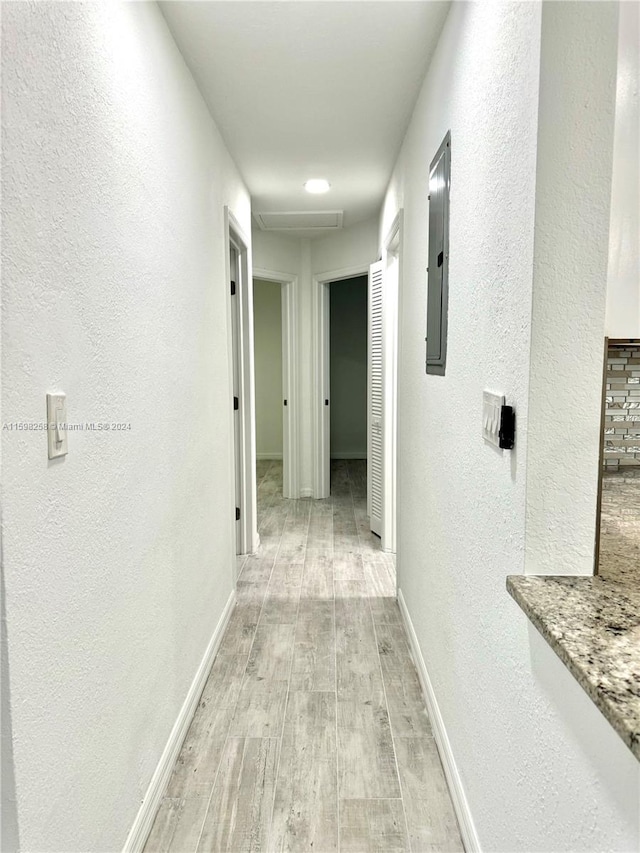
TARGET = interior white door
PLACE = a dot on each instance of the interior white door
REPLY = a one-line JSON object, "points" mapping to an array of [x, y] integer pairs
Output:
{"points": [[375, 433]]}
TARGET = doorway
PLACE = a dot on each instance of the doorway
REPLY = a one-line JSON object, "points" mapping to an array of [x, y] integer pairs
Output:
{"points": [[276, 374], [348, 370], [243, 510], [384, 290], [270, 400]]}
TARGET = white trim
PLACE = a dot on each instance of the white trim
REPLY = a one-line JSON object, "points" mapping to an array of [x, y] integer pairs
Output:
{"points": [[248, 537], [321, 372], [391, 248], [273, 456], [143, 822], [290, 378], [348, 454], [456, 788]]}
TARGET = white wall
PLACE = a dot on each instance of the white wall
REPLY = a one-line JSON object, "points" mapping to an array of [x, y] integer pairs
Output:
{"points": [[305, 258], [623, 294], [267, 329], [276, 252], [118, 559], [348, 368], [541, 768], [573, 192], [354, 246]]}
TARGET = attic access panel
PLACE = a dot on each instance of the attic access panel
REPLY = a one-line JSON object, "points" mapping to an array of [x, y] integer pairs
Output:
{"points": [[438, 269], [294, 220]]}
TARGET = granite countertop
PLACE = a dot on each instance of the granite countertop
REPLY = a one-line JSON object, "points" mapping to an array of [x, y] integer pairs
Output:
{"points": [[593, 625], [620, 526]]}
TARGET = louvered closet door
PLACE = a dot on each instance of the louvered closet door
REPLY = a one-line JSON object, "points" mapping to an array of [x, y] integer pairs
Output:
{"points": [[374, 419]]}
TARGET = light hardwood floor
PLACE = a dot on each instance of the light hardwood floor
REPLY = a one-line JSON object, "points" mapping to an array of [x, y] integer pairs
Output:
{"points": [[311, 733]]}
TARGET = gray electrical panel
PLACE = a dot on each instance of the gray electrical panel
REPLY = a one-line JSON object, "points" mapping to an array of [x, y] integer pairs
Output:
{"points": [[438, 273]]}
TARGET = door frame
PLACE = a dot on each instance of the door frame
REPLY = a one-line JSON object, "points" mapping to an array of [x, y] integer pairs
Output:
{"points": [[391, 250], [245, 454], [290, 378], [320, 380]]}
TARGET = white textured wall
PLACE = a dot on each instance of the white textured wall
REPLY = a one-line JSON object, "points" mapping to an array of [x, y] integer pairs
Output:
{"points": [[623, 293], [118, 558], [275, 252], [573, 194], [355, 246], [542, 769], [267, 330]]}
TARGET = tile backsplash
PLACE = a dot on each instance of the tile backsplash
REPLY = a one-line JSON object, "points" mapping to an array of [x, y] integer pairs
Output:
{"points": [[622, 412]]}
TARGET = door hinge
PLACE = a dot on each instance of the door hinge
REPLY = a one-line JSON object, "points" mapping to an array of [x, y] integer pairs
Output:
{"points": [[285, 402], [237, 513], [236, 403], [326, 402], [233, 288]]}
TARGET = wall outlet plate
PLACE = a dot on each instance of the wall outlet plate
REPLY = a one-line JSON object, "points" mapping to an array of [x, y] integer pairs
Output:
{"points": [[491, 413]]}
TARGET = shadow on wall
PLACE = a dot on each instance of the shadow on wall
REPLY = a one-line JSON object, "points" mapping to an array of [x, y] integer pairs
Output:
{"points": [[348, 353], [10, 838]]}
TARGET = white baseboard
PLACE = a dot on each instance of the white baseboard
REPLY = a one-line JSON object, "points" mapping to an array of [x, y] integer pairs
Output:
{"points": [[146, 815], [348, 454], [306, 493], [268, 455], [458, 796]]}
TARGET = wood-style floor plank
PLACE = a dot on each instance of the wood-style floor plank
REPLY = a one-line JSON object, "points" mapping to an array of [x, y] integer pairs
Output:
{"points": [[373, 826], [239, 814], [271, 653], [306, 804], [224, 682], [197, 764], [317, 581], [280, 607], [430, 817], [366, 759], [189, 825], [359, 677], [241, 628], [407, 711], [384, 609], [354, 627], [163, 827], [314, 652], [260, 708]]}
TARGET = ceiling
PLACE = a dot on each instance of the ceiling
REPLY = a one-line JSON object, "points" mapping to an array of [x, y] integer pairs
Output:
{"points": [[310, 90]]}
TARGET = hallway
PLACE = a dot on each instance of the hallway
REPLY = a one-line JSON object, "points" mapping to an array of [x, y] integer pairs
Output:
{"points": [[311, 733]]}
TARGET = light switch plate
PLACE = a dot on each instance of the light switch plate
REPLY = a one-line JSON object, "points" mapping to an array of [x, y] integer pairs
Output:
{"points": [[491, 412], [56, 425]]}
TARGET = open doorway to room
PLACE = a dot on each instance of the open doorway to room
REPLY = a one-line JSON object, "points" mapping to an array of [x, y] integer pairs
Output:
{"points": [[379, 472], [241, 408], [348, 382], [267, 330], [276, 382]]}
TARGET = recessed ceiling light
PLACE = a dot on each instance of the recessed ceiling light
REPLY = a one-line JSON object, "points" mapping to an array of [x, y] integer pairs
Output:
{"points": [[317, 185]]}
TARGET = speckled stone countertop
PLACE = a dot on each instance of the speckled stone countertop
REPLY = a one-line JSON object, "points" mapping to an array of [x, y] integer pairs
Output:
{"points": [[620, 526], [593, 625]]}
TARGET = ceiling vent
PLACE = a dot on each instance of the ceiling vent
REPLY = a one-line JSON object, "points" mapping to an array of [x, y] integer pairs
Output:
{"points": [[296, 220]]}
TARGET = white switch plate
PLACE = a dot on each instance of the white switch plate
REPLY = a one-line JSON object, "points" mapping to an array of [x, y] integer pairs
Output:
{"points": [[56, 419], [491, 411]]}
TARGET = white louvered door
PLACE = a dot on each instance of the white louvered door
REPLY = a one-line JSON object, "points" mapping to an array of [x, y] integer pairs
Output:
{"points": [[375, 473]]}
